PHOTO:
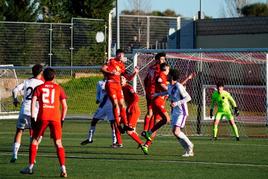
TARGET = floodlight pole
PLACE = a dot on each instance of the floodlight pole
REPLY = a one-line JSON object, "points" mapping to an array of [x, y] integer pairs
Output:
{"points": [[199, 12], [117, 26]]}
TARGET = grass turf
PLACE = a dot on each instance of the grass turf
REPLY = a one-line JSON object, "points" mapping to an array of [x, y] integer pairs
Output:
{"points": [[224, 158]]}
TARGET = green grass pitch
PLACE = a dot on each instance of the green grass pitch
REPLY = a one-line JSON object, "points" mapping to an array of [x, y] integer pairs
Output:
{"points": [[224, 158]]}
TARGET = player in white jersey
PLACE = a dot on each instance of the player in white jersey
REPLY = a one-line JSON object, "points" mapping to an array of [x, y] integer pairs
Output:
{"points": [[104, 111], [24, 120], [179, 109]]}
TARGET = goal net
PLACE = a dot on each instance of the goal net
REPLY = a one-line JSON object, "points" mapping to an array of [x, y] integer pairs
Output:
{"points": [[8, 80], [243, 72]]}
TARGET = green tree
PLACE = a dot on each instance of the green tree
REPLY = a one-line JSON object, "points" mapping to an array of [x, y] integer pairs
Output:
{"points": [[20, 10], [257, 9]]}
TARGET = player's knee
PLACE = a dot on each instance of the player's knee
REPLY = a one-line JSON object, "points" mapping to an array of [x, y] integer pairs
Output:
{"points": [[58, 144], [35, 142]]}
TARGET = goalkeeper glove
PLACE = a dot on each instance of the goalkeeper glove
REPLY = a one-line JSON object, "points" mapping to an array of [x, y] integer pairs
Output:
{"points": [[211, 113], [236, 111]]}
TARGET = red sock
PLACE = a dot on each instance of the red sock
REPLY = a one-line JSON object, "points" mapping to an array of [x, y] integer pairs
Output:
{"points": [[146, 123], [118, 136], [116, 115], [61, 155], [135, 137], [32, 153], [123, 115]]}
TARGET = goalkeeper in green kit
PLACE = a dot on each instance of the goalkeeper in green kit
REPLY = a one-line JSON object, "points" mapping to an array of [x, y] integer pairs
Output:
{"points": [[225, 104]]}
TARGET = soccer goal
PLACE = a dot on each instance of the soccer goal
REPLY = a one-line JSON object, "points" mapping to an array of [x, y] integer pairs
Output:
{"points": [[8, 80], [243, 71]]}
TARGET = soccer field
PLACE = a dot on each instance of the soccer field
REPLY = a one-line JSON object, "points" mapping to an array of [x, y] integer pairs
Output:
{"points": [[224, 158]]}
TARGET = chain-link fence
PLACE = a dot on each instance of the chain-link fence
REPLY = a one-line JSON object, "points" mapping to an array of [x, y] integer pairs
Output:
{"points": [[53, 44]]}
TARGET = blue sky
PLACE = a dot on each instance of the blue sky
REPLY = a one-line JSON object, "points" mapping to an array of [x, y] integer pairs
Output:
{"points": [[187, 8]]}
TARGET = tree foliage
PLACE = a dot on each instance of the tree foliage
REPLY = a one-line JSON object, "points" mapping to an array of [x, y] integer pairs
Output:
{"points": [[167, 12], [257, 9]]}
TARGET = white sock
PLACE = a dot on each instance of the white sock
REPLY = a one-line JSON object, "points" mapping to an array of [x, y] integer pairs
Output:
{"points": [[16, 147], [185, 139], [31, 166], [63, 168], [183, 143], [91, 133], [113, 137]]}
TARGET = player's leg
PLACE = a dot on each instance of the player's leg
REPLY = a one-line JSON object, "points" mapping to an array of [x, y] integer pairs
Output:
{"points": [[55, 128], [119, 143], [234, 127], [153, 120], [38, 131], [148, 115], [112, 124], [216, 122]]}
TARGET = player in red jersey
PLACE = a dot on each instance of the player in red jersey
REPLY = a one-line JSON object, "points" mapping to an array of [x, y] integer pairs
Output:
{"points": [[50, 97], [114, 69], [133, 111], [159, 110], [149, 83]]}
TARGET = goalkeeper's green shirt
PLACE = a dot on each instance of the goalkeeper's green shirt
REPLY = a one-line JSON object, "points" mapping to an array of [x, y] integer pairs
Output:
{"points": [[224, 101]]}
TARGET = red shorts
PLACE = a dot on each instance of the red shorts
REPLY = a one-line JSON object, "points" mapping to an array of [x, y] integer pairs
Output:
{"points": [[133, 115], [55, 129], [114, 91], [159, 106]]}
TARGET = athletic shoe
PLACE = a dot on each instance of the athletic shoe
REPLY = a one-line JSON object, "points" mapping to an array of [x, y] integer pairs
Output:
{"points": [[144, 149], [13, 159], [237, 138], [121, 129], [191, 151], [127, 128], [114, 146], [85, 142], [27, 170], [186, 154], [63, 174], [147, 136]]}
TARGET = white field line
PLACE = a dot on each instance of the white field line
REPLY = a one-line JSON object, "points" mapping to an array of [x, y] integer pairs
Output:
{"points": [[152, 160]]}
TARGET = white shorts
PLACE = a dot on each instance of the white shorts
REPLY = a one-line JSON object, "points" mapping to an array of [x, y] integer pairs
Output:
{"points": [[105, 112], [24, 121], [179, 115]]}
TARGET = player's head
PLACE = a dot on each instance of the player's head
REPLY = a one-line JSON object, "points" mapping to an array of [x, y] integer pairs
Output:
{"points": [[120, 54], [164, 67], [160, 57], [219, 85], [123, 81], [37, 69], [173, 75], [49, 74]]}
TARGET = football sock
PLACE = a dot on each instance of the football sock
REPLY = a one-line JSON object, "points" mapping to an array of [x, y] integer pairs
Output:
{"points": [[183, 137], [235, 130], [146, 123], [33, 152], [215, 130], [116, 112], [118, 136], [91, 133], [16, 147], [183, 143], [135, 137], [159, 125], [61, 155], [113, 137], [123, 115], [63, 168]]}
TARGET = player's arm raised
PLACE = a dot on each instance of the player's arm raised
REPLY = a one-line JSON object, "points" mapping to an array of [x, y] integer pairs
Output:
{"points": [[131, 76]]}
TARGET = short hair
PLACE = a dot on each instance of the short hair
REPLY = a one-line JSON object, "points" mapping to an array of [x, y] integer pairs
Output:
{"points": [[163, 66], [37, 69], [219, 83], [119, 51], [174, 74], [49, 74], [159, 55]]}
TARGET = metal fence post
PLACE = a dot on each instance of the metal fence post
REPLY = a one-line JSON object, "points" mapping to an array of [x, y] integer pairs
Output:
{"points": [[50, 44]]}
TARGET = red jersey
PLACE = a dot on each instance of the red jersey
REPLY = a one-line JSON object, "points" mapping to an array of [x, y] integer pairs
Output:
{"points": [[161, 80], [115, 65], [49, 96], [130, 95], [149, 82]]}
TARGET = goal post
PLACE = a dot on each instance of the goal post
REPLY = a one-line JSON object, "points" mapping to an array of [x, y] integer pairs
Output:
{"points": [[242, 70]]}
